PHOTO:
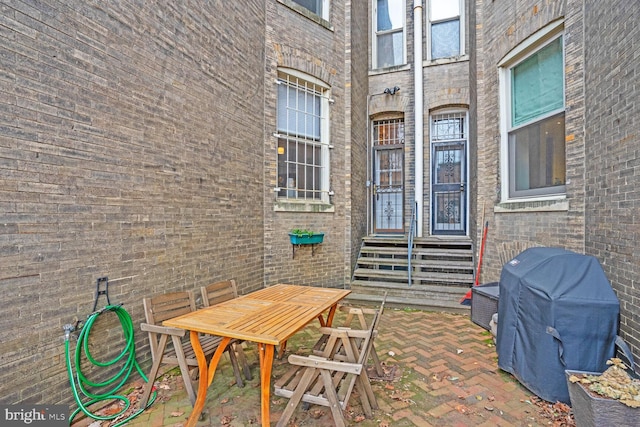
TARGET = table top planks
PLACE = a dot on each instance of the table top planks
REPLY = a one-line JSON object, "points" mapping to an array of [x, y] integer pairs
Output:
{"points": [[270, 315]]}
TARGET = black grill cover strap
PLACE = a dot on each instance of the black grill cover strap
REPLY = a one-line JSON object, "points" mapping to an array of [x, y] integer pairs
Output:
{"points": [[626, 352], [554, 333]]}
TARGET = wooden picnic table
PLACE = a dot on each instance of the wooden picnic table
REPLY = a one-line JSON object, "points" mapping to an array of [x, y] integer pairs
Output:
{"points": [[268, 317]]}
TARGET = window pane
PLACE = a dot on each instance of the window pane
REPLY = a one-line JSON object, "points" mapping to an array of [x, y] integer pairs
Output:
{"points": [[314, 6], [445, 39], [390, 14], [537, 157], [443, 9], [389, 50], [537, 84], [298, 111]]}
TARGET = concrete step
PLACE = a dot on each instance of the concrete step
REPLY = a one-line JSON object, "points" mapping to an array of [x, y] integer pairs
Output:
{"points": [[423, 297]]}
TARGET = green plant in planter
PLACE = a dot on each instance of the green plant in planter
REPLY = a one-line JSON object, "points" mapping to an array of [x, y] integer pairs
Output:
{"points": [[302, 232], [614, 383]]}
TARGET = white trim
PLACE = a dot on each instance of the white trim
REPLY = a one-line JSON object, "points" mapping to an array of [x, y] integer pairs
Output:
{"points": [[525, 48], [374, 36], [302, 76], [463, 32]]}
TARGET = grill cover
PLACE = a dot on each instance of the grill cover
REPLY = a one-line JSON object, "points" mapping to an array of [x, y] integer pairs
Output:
{"points": [[557, 311]]}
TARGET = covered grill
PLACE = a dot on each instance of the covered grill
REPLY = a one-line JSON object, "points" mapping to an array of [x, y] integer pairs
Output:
{"points": [[557, 311]]}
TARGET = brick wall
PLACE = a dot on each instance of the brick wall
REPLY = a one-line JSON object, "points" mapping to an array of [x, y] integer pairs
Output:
{"points": [[502, 26], [316, 48], [131, 146], [358, 66], [601, 45], [612, 46]]}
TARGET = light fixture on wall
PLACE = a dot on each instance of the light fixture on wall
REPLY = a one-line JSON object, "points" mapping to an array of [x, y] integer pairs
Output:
{"points": [[392, 91]]}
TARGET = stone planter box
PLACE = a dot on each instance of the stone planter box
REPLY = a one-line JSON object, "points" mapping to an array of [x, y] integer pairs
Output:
{"points": [[592, 411]]}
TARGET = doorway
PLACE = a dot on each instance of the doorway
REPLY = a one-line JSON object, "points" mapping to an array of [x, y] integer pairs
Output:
{"points": [[388, 173], [449, 174]]}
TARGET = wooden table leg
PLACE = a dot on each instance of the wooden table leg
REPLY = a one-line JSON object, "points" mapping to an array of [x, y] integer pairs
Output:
{"points": [[332, 312], [330, 315], [205, 374], [216, 359], [266, 352]]}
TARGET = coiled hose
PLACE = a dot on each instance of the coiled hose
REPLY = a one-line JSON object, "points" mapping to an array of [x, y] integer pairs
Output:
{"points": [[79, 381]]}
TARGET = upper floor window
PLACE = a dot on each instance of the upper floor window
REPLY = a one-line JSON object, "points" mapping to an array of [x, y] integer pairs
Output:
{"points": [[319, 7], [533, 122], [303, 135], [445, 28], [389, 34]]}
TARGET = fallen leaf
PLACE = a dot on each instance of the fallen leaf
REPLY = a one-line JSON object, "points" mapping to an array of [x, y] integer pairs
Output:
{"points": [[462, 409], [359, 418], [225, 400], [177, 413], [315, 414]]}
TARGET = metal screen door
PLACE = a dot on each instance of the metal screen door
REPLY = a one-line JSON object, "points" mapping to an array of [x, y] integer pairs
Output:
{"points": [[388, 175], [448, 148]]}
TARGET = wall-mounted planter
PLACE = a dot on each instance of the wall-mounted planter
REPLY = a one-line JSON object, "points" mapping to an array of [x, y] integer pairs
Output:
{"points": [[312, 239], [306, 239]]}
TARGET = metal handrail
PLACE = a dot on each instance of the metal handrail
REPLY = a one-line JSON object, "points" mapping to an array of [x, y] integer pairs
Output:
{"points": [[412, 232]]}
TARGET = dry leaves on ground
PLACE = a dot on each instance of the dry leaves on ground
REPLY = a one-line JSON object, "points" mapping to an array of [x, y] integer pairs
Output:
{"points": [[558, 413]]}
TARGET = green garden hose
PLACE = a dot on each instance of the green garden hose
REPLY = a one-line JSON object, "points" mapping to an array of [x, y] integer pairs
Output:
{"points": [[79, 381]]}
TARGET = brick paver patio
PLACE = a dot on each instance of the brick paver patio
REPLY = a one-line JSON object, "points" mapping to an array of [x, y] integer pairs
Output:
{"points": [[446, 374]]}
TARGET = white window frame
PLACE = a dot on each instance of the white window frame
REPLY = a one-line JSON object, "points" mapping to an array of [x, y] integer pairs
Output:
{"points": [[324, 5], [294, 194], [374, 37], [526, 49], [461, 18]]}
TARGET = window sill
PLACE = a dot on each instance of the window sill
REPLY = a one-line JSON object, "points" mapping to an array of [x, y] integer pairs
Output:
{"points": [[385, 70], [556, 204], [302, 206], [442, 61], [307, 14]]}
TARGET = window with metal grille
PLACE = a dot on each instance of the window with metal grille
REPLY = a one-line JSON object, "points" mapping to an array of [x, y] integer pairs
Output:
{"points": [[388, 132], [302, 132]]}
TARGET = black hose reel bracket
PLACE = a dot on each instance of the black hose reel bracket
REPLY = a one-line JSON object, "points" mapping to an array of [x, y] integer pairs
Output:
{"points": [[99, 282]]}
